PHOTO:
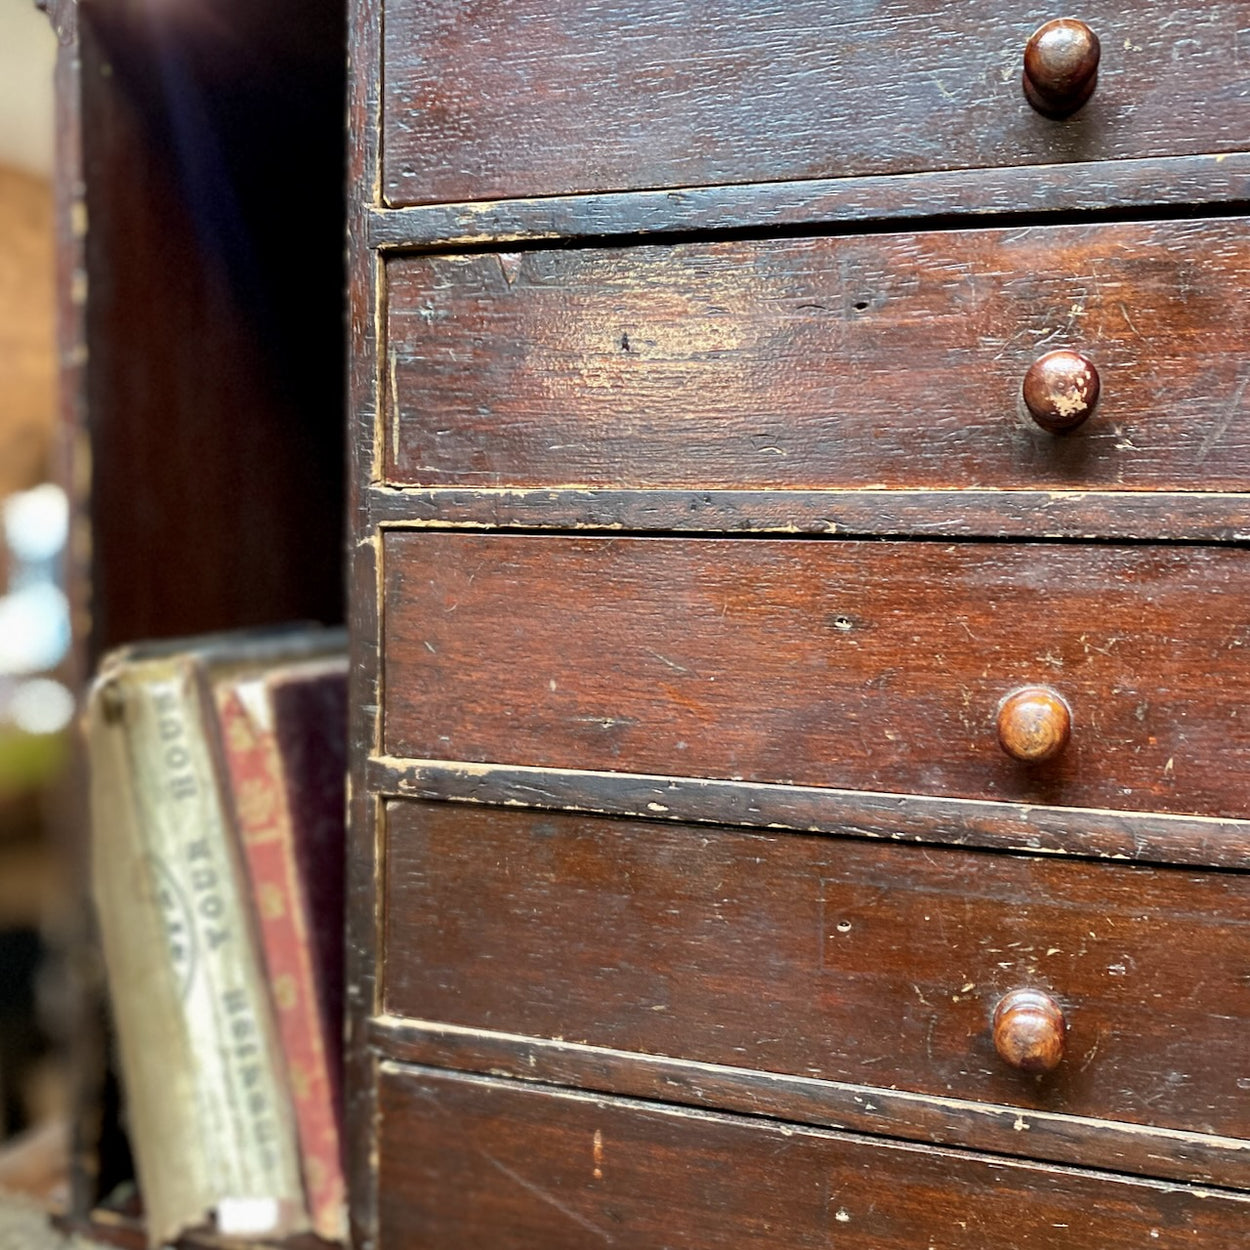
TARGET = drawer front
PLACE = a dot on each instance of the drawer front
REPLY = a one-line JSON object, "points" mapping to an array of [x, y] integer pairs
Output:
{"points": [[857, 665], [545, 97], [830, 958], [881, 360], [485, 1164]]}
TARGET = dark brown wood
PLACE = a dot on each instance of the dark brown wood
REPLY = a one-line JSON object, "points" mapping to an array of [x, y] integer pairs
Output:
{"points": [[1140, 837], [1061, 67], [866, 665], [485, 1165], [867, 361], [828, 958], [1177, 516], [696, 363], [1029, 1031], [1153, 1151], [363, 867], [98, 1156], [531, 97], [1190, 181], [1034, 724], [1060, 390], [212, 372]]}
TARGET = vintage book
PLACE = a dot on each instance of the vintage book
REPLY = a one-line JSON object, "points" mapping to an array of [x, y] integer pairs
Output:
{"points": [[209, 1105], [283, 736]]}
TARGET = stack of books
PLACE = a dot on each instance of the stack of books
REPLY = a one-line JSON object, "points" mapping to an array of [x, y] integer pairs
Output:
{"points": [[217, 793]]}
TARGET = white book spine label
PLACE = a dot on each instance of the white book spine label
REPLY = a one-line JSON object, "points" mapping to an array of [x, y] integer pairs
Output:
{"points": [[243, 1108]]}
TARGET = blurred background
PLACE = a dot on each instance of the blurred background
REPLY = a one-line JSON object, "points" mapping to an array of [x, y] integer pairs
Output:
{"points": [[36, 707], [188, 225]]}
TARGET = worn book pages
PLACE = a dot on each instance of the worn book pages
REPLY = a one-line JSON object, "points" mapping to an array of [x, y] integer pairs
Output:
{"points": [[210, 1114]]}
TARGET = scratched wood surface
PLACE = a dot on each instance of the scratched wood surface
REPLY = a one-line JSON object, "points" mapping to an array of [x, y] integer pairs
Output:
{"points": [[1169, 1154], [532, 97], [854, 361], [1177, 515], [1148, 837], [827, 958], [861, 665], [360, 557], [485, 1165], [735, 384], [1168, 183]]}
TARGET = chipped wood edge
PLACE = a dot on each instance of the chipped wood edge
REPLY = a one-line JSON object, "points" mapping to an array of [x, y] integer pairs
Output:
{"points": [[366, 329], [1096, 833], [1167, 1154], [1172, 516], [1215, 178]]}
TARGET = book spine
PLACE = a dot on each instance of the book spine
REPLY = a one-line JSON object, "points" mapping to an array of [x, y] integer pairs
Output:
{"points": [[240, 1112], [266, 830], [139, 946]]}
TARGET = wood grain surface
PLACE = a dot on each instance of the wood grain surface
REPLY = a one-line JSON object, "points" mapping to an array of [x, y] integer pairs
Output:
{"points": [[210, 432], [1170, 1154], [871, 360], [1144, 837], [1174, 515], [542, 97], [487, 1165], [1166, 182], [860, 665], [360, 556], [826, 958]]}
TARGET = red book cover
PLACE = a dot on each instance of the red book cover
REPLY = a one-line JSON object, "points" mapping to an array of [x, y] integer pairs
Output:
{"points": [[283, 737]]}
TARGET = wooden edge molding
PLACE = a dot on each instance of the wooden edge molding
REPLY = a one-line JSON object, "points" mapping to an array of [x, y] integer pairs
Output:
{"points": [[1090, 832], [1189, 516], [1110, 1146], [365, 330], [1213, 179]]}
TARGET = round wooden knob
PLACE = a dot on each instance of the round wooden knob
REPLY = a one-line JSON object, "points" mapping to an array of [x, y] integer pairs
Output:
{"points": [[1029, 1031], [1034, 724], [1060, 390], [1061, 67]]}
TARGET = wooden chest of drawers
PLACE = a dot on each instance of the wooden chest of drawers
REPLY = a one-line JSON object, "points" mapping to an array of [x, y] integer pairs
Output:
{"points": [[803, 625]]}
